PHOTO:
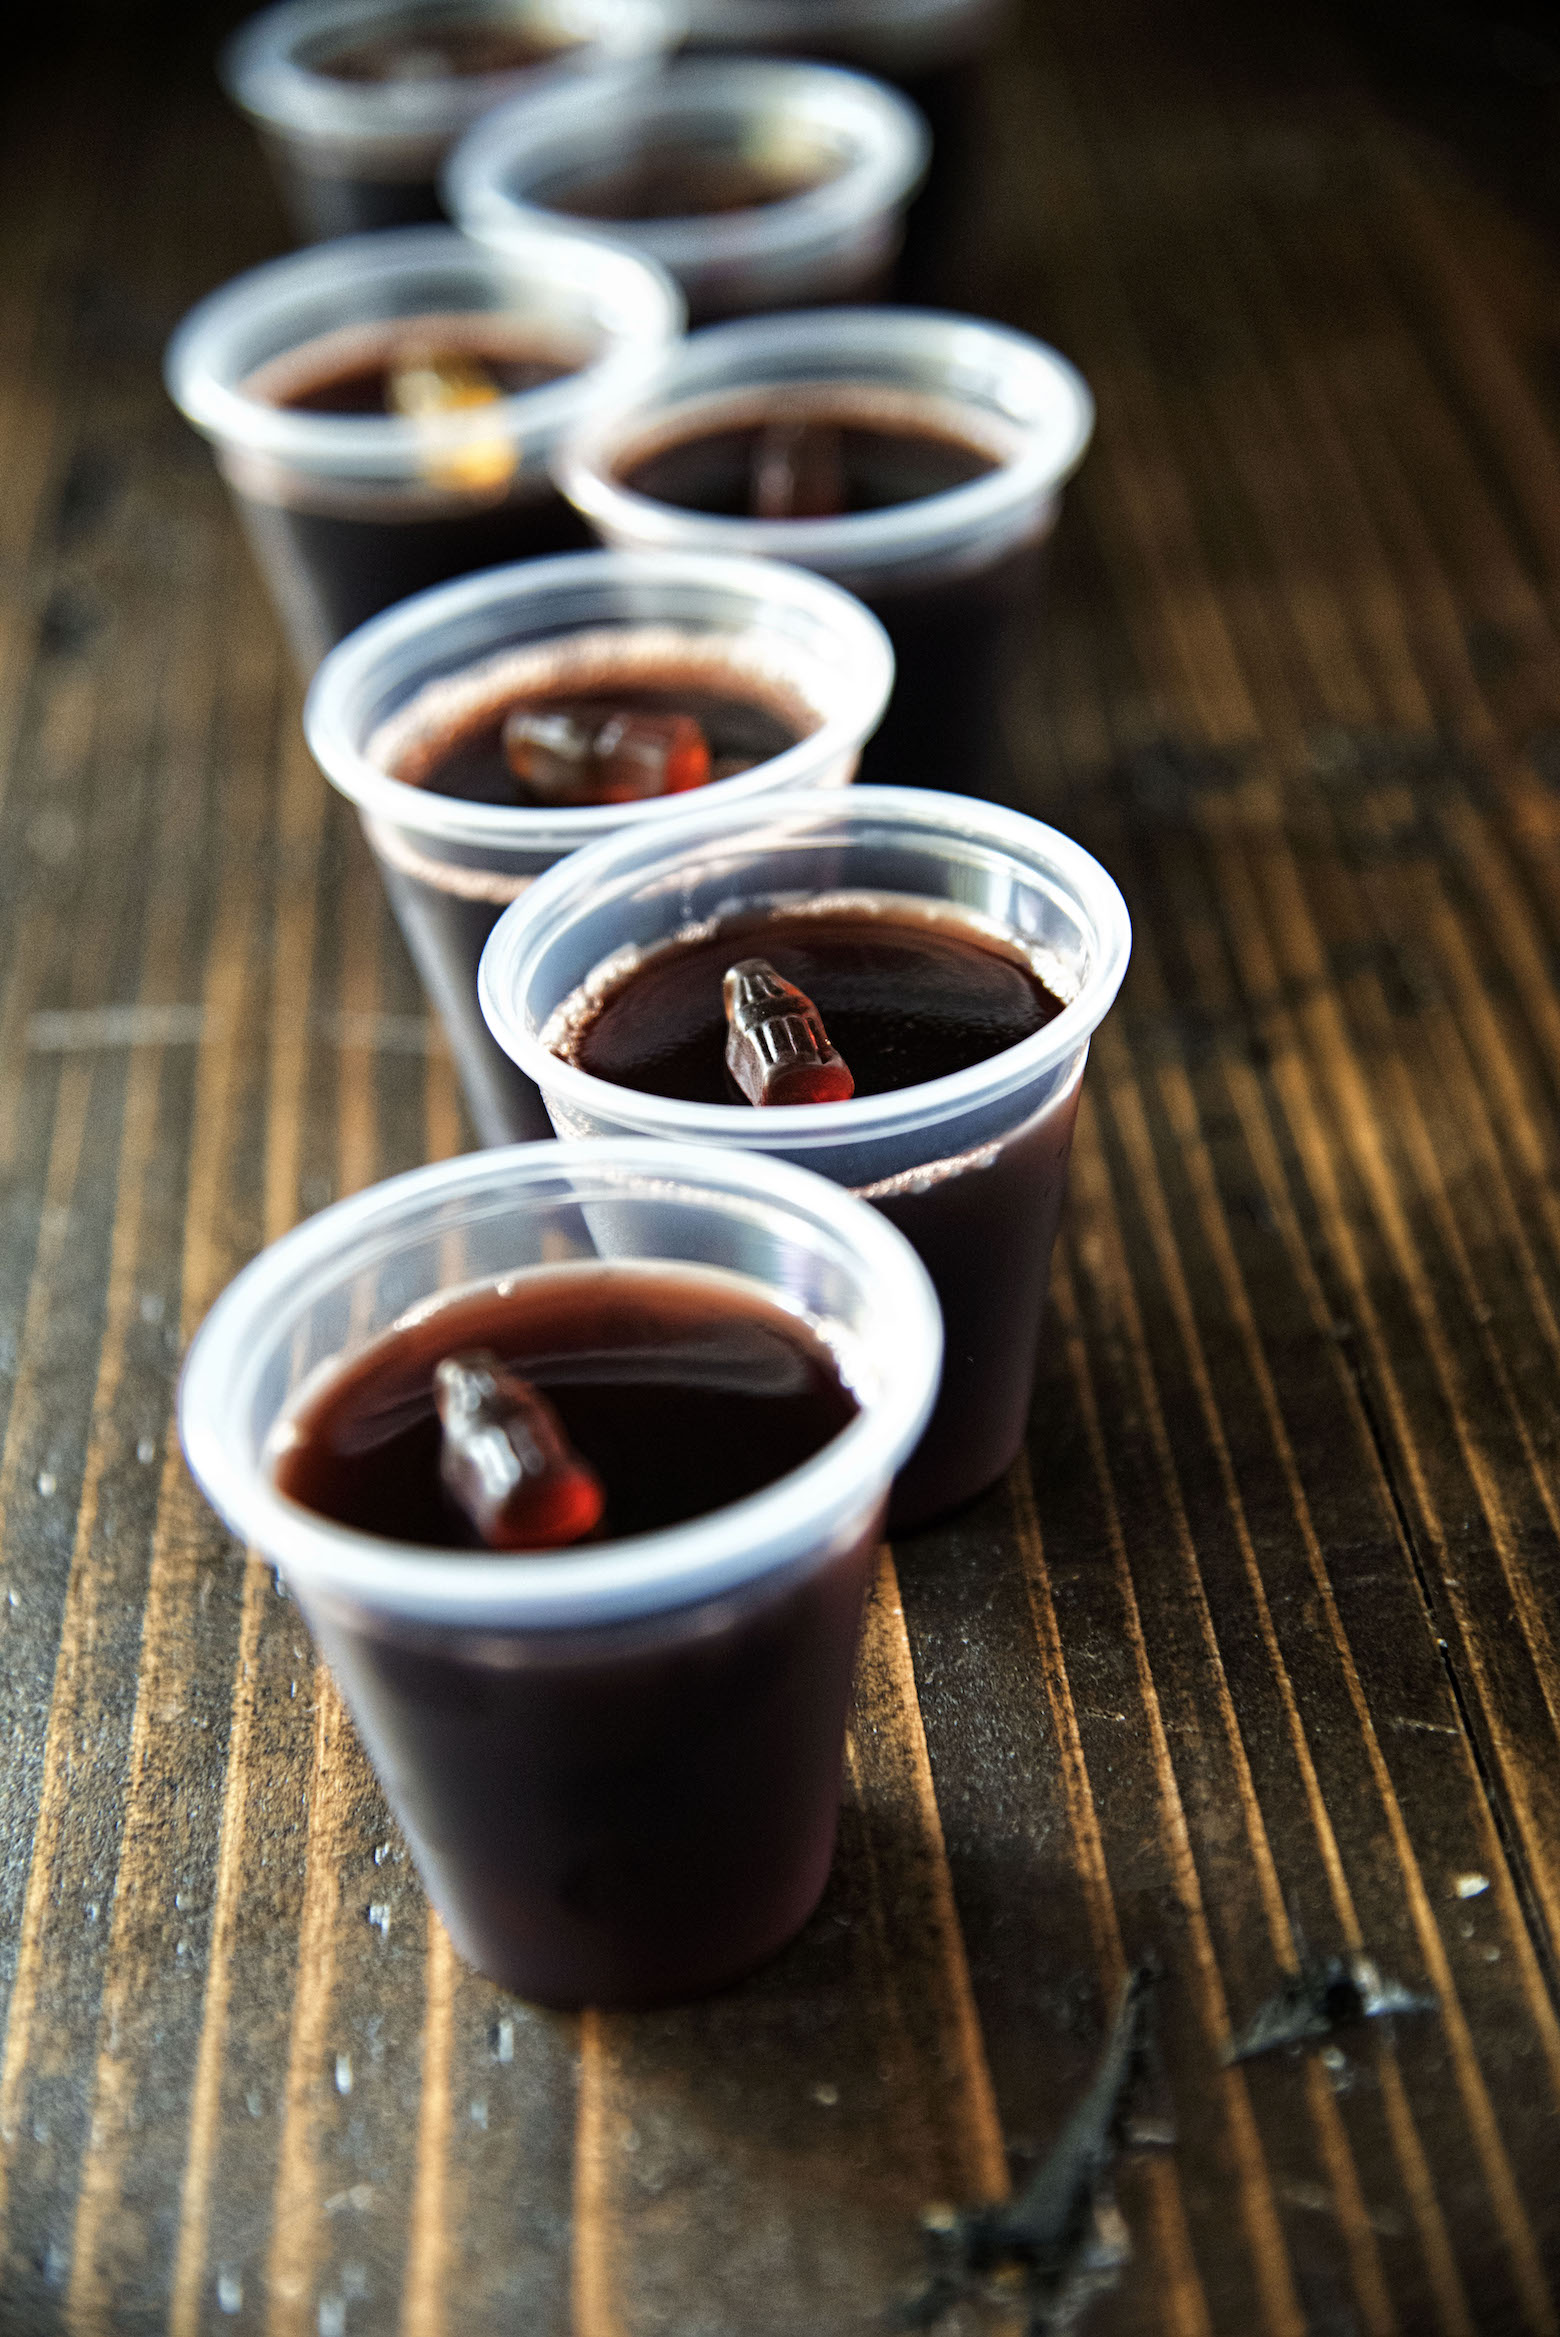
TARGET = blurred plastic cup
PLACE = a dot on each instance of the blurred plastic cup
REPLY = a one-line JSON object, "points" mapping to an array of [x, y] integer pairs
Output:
{"points": [[451, 866], [757, 183], [358, 102], [349, 512], [617, 1768], [972, 1168], [952, 573]]}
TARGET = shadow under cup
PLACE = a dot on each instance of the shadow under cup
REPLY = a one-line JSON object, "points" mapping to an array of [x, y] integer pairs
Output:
{"points": [[618, 1769], [451, 867], [971, 1168]]}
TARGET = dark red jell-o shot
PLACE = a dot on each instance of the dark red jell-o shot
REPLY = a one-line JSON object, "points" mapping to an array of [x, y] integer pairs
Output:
{"points": [[461, 508], [915, 457], [385, 408], [575, 1459], [489, 727], [563, 1415], [824, 1001], [928, 970]]}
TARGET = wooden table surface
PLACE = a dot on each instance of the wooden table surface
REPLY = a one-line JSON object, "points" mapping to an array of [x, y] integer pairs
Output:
{"points": [[1261, 1640]]}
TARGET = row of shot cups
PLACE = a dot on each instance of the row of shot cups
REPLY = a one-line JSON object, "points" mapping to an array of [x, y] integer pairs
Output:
{"points": [[348, 512], [363, 141], [722, 1185], [541, 1722], [947, 573], [462, 878], [352, 512], [970, 1170]]}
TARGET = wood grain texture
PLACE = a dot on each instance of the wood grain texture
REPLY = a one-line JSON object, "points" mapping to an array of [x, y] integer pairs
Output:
{"points": [[1260, 1643]]}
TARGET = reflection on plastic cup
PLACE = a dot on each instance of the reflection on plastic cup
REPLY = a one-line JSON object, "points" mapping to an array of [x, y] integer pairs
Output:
{"points": [[617, 1768], [972, 1167], [753, 629]]}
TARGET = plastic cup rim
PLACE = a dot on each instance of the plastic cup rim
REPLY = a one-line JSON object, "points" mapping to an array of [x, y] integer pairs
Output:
{"points": [[352, 445], [543, 911], [261, 72], [450, 820], [890, 160], [860, 542], [643, 1575]]}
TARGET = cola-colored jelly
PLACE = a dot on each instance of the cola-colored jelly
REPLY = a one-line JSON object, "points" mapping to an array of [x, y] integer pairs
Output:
{"points": [[909, 991], [364, 382], [813, 451], [453, 50], [878, 466], [685, 181], [350, 549], [682, 1393], [633, 1812]]}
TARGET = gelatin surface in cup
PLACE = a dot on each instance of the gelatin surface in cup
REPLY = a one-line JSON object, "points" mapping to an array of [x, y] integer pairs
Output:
{"points": [[680, 1391]]}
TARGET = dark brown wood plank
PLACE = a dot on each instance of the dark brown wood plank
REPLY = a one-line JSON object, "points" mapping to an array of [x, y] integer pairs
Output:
{"points": [[1263, 1636]]}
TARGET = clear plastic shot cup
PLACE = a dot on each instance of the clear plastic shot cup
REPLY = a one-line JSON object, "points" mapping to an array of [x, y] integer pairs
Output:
{"points": [[617, 1766], [758, 183], [972, 1167], [432, 671], [357, 102], [349, 506], [957, 435]]}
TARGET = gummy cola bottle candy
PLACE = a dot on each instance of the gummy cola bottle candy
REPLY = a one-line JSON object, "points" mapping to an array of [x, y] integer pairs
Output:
{"points": [[429, 384], [566, 754], [798, 472], [505, 1460], [777, 1049]]}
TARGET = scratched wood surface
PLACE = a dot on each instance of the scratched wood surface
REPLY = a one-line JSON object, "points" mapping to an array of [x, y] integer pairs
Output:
{"points": [[1262, 1639]]}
